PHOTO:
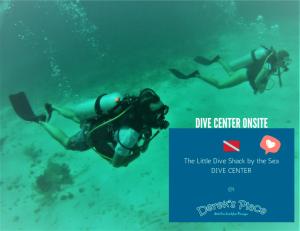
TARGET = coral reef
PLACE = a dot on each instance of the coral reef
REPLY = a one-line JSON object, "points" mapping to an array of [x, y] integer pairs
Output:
{"points": [[55, 176]]}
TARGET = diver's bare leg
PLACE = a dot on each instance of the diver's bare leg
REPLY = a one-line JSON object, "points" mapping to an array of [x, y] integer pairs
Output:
{"points": [[226, 67], [67, 113], [237, 77], [56, 133]]}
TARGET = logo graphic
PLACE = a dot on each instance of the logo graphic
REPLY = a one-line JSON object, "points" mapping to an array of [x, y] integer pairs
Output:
{"points": [[231, 145], [270, 144]]}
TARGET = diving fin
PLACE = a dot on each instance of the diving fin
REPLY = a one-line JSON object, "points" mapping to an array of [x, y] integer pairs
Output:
{"points": [[23, 109], [180, 75], [49, 110], [204, 61]]}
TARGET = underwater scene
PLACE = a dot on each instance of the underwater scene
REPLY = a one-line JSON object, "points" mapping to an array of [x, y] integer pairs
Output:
{"points": [[98, 57]]}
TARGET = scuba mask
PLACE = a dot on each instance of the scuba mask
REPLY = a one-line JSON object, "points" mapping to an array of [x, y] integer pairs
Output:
{"points": [[285, 63], [156, 118], [279, 62], [152, 110], [283, 67]]}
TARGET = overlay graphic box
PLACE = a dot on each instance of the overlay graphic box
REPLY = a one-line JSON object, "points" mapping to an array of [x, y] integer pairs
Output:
{"points": [[247, 185]]}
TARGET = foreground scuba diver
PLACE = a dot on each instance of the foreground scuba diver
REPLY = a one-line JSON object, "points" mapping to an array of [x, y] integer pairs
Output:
{"points": [[256, 67], [118, 128]]}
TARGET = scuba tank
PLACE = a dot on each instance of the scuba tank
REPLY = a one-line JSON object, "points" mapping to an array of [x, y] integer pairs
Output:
{"points": [[149, 112], [102, 105], [249, 58]]}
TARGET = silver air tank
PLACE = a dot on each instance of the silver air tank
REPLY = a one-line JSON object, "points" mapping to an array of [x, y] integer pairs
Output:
{"points": [[247, 59], [107, 102]]}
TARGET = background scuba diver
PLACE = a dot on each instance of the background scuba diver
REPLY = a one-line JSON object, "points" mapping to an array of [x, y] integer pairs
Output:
{"points": [[118, 128], [256, 67]]}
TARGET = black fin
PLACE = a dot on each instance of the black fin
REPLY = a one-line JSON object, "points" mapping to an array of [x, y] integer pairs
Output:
{"points": [[194, 74], [49, 110], [180, 75], [23, 109], [204, 61]]}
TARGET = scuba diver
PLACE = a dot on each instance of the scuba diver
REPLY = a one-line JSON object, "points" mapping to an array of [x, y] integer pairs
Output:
{"points": [[256, 67], [117, 127]]}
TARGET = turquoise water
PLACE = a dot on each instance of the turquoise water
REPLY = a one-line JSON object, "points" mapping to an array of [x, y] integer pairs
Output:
{"points": [[66, 51]]}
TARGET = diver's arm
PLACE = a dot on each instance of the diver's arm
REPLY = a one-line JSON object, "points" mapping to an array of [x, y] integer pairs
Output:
{"points": [[119, 160], [127, 138], [135, 154]]}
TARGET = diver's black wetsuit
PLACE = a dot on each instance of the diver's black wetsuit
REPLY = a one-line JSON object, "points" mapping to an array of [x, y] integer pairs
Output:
{"points": [[254, 68], [252, 71], [103, 136], [102, 132]]}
